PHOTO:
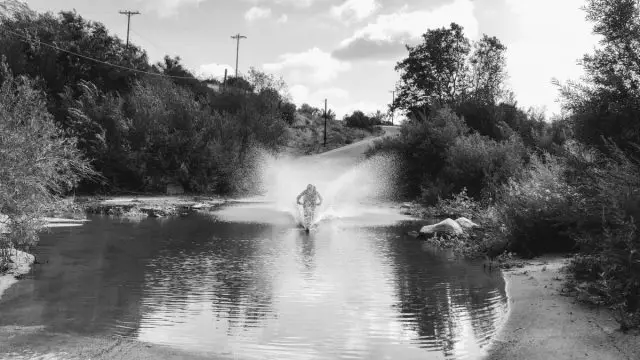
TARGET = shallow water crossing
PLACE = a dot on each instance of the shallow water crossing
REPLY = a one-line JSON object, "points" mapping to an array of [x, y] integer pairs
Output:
{"points": [[245, 282]]}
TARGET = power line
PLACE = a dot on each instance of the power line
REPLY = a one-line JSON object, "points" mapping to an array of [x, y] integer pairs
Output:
{"points": [[129, 13], [237, 37], [27, 40]]}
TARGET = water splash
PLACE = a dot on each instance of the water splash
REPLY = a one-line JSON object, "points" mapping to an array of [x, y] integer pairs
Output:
{"points": [[350, 185]]}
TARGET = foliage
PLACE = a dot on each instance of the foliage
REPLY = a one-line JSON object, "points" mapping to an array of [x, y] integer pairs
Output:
{"points": [[606, 104], [358, 119], [421, 146], [539, 208], [444, 70], [146, 126], [482, 165], [37, 162]]}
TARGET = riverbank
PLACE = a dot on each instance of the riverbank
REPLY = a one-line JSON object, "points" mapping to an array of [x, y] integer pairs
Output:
{"points": [[546, 323], [148, 206], [19, 264], [34, 342]]}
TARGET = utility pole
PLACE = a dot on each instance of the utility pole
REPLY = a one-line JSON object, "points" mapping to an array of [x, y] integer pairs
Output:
{"points": [[129, 13], [325, 122], [392, 105], [237, 37], [224, 82]]}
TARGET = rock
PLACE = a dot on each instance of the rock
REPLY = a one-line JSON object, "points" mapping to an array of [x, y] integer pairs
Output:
{"points": [[447, 226], [413, 234], [406, 205], [466, 223]]}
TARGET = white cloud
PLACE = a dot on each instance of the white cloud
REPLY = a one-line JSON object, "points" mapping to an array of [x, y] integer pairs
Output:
{"points": [[167, 8], [366, 107], [214, 70], [302, 94], [389, 32], [552, 50], [256, 13], [355, 9], [283, 19], [296, 3], [313, 65]]}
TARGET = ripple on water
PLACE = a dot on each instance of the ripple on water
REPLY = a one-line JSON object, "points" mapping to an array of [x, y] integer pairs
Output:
{"points": [[258, 291]]}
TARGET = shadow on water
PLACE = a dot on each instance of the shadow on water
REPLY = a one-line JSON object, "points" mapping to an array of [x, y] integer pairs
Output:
{"points": [[260, 289]]}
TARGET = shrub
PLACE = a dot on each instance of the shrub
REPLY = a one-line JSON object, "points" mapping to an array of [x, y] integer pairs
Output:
{"points": [[481, 164], [358, 119], [37, 163], [422, 146], [538, 208], [607, 232]]}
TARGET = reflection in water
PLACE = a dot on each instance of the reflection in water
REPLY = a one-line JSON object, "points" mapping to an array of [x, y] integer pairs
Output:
{"points": [[261, 289]]}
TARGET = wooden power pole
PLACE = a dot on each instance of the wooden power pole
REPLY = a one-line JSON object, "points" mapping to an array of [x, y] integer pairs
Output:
{"points": [[392, 105], [129, 13], [237, 37], [325, 122]]}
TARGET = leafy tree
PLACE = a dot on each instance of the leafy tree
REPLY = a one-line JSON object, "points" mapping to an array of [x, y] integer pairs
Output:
{"points": [[607, 104], [435, 71], [309, 110], [487, 71], [37, 162], [358, 119]]}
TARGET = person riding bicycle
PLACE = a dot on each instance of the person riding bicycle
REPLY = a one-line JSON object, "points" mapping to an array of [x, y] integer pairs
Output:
{"points": [[310, 199]]}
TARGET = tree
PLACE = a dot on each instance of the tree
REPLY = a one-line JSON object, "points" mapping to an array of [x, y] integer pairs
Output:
{"points": [[435, 71], [607, 103], [358, 119], [487, 71], [37, 162]]}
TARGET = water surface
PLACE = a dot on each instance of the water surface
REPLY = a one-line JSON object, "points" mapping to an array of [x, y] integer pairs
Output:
{"points": [[246, 282]]}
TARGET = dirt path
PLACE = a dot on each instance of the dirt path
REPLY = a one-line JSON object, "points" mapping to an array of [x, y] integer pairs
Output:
{"points": [[545, 324]]}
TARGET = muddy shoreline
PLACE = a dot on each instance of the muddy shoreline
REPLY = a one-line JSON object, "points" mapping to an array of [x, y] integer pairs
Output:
{"points": [[545, 322]]}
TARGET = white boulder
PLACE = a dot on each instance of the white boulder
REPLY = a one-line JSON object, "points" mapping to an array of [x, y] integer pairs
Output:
{"points": [[466, 223], [448, 226]]}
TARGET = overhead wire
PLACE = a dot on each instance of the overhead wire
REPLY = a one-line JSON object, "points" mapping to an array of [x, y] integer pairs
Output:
{"points": [[25, 39]]}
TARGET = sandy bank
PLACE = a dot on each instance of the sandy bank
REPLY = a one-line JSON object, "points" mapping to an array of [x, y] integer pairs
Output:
{"points": [[545, 324], [20, 264], [34, 342]]}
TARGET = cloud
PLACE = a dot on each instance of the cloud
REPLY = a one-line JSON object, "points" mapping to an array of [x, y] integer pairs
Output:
{"points": [[301, 94], [295, 3], [283, 19], [366, 107], [256, 13], [313, 65], [168, 8], [355, 9], [387, 35], [214, 70]]}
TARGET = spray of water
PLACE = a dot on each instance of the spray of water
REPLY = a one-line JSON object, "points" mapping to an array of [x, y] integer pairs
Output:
{"points": [[350, 186]]}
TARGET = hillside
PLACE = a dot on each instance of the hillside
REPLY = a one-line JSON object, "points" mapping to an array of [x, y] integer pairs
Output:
{"points": [[307, 133]]}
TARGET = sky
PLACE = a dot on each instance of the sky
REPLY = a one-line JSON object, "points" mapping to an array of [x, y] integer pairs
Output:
{"points": [[345, 51]]}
